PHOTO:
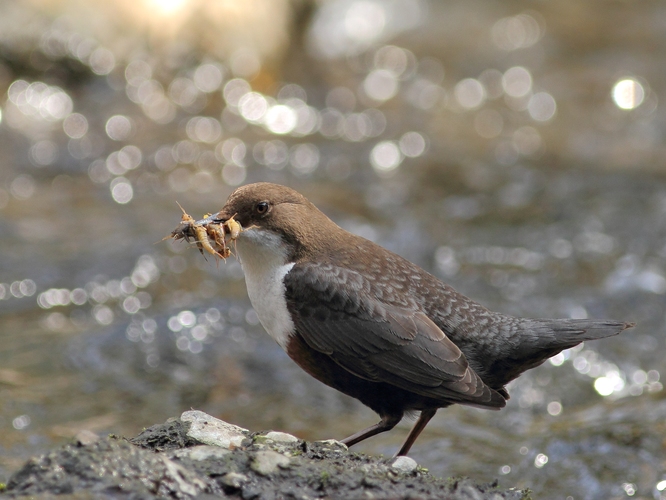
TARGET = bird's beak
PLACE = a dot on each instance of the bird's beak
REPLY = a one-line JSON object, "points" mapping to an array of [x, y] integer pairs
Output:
{"points": [[218, 218], [211, 219]]}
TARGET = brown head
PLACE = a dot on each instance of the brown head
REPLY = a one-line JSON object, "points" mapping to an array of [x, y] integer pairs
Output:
{"points": [[279, 210]]}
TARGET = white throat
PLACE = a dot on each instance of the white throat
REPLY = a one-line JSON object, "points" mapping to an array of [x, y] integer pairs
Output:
{"points": [[263, 256]]}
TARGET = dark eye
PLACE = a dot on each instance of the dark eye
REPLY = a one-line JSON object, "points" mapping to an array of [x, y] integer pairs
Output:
{"points": [[261, 207]]}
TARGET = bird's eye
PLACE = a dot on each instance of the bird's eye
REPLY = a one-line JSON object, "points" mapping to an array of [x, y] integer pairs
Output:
{"points": [[261, 207]]}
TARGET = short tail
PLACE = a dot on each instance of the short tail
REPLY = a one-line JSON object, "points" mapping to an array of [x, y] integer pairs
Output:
{"points": [[539, 339], [574, 331]]}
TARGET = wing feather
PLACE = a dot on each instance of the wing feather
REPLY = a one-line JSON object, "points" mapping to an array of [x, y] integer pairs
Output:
{"points": [[341, 314]]}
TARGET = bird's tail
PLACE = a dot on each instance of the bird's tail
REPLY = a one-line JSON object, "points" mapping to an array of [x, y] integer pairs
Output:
{"points": [[539, 339], [570, 332]]}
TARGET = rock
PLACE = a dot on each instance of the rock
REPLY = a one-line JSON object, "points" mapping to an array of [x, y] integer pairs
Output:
{"points": [[234, 479], [267, 462], [281, 437], [171, 435], [108, 464], [404, 465], [332, 444], [468, 490], [85, 437], [168, 461], [210, 430], [184, 482], [201, 452]]}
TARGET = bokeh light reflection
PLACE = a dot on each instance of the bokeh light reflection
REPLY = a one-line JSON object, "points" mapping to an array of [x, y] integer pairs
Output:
{"points": [[39, 101], [43, 153], [121, 190], [488, 123], [381, 85], [517, 81], [628, 93], [412, 144], [517, 32], [348, 27], [75, 125], [469, 93], [102, 61], [273, 154], [233, 174], [118, 128], [252, 106], [233, 91], [280, 119], [385, 157], [304, 159], [203, 129], [209, 77], [542, 106]]}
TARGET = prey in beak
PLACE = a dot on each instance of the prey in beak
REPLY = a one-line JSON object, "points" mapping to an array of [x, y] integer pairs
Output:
{"points": [[209, 234]]}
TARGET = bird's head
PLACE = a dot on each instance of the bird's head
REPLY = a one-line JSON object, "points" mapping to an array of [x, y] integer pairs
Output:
{"points": [[275, 215]]}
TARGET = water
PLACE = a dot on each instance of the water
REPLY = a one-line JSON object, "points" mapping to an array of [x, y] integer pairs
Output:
{"points": [[514, 153]]}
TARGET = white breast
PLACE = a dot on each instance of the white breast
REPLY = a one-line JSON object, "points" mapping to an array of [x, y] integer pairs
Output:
{"points": [[263, 257]]}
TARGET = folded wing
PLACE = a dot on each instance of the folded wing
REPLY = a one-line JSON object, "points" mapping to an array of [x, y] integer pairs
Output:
{"points": [[344, 315]]}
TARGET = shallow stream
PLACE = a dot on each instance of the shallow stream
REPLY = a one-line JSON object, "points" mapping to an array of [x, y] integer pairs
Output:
{"points": [[515, 153]]}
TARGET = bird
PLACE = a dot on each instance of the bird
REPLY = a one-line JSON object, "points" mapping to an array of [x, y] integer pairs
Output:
{"points": [[373, 325]]}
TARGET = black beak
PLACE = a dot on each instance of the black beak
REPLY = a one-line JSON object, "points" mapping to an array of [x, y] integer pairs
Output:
{"points": [[217, 218]]}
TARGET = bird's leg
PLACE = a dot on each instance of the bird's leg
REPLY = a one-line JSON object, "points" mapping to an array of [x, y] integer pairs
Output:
{"points": [[387, 423], [420, 424]]}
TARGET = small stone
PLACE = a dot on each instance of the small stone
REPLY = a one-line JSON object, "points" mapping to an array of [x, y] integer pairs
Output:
{"points": [[333, 443], [86, 437], [184, 482], [371, 482], [266, 462], [250, 493], [201, 452], [281, 437], [469, 490], [234, 479], [213, 431], [206, 451], [372, 468], [404, 465]]}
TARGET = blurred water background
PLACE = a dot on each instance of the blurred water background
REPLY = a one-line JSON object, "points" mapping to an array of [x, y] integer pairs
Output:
{"points": [[515, 149]]}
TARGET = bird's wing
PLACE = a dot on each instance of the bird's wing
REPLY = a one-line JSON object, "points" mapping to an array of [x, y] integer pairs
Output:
{"points": [[340, 313]]}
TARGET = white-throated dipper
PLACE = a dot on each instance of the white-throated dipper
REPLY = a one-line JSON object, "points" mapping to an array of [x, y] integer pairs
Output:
{"points": [[376, 327]]}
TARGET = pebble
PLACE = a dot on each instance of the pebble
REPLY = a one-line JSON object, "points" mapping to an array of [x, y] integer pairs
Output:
{"points": [[185, 482], [281, 437], [334, 444], [469, 491], [404, 464], [266, 462], [234, 479], [201, 452], [86, 437], [213, 431]]}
